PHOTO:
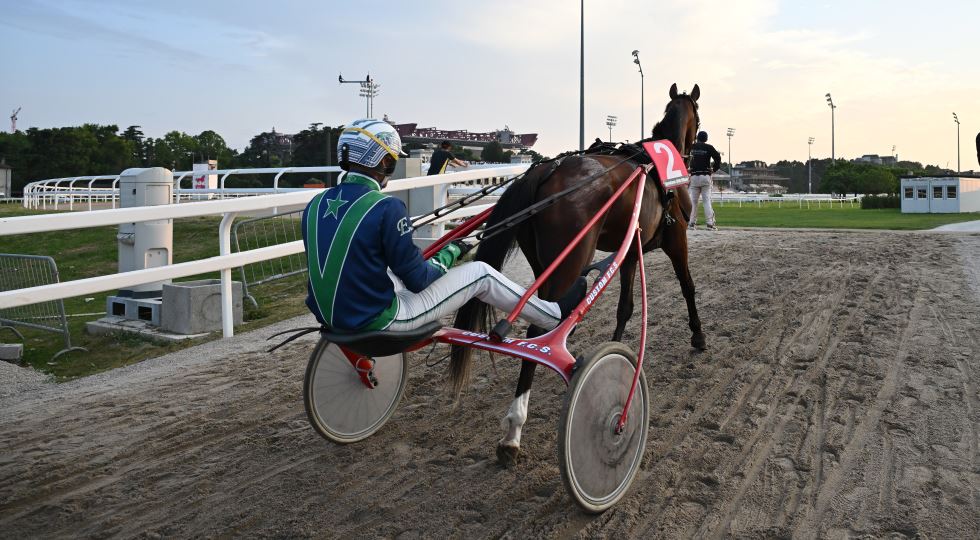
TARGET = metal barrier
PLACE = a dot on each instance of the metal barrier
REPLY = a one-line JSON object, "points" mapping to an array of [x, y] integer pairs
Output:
{"points": [[263, 232], [22, 271]]}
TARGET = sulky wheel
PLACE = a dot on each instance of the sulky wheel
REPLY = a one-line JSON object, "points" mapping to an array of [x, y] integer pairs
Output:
{"points": [[339, 405], [597, 464]]}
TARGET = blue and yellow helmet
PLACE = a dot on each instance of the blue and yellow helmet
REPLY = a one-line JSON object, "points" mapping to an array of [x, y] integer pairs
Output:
{"points": [[368, 141]]}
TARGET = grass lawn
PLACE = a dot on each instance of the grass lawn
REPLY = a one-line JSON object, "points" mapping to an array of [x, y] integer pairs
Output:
{"points": [[792, 216], [92, 252]]}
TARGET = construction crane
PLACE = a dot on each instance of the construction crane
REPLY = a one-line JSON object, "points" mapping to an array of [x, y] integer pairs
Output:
{"points": [[13, 120]]}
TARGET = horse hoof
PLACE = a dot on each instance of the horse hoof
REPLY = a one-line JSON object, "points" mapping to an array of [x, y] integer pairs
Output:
{"points": [[698, 342], [507, 454]]}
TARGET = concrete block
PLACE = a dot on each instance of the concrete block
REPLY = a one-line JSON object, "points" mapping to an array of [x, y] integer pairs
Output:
{"points": [[193, 307], [11, 352]]}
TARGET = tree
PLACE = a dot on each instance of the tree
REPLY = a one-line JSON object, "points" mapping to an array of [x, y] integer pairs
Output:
{"points": [[494, 153], [134, 134]]}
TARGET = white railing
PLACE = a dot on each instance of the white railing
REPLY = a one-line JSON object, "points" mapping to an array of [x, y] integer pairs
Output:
{"points": [[58, 191], [224, 262], [795, 199]]}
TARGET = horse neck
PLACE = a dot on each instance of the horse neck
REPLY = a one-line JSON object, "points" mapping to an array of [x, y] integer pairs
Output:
{"points": [[673, 127]]}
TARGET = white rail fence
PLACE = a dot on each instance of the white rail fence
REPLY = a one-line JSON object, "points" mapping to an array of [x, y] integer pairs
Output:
{"points": [[83, 189], [790, 199], [225, 261]]}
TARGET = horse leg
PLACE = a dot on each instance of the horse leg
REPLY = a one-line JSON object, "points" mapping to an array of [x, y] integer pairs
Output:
{"points": [[510, 445], [624, 312], [676, 249]]}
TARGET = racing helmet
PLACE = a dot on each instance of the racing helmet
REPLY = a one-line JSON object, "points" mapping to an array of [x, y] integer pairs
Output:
{"points": [[367, 141], [702, 136]]}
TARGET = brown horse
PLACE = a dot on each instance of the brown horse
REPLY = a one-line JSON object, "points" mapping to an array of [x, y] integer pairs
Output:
{"points": [[543, 237]]}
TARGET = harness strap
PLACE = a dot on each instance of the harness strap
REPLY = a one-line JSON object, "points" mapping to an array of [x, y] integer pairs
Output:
{"points": [[531, 211]]}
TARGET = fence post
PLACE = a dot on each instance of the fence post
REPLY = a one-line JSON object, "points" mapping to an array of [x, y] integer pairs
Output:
{"points": [[227, 304], [421, 200]]}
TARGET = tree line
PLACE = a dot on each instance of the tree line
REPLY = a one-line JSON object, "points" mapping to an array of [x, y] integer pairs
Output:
{"points": [[92, 149], [842, 176]]}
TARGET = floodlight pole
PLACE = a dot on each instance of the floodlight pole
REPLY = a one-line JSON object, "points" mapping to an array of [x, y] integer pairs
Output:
{"points": [[830, 102], [731, 173], [636, 60], [365, 83], [957, 120], [809, 161], [581, 82]]}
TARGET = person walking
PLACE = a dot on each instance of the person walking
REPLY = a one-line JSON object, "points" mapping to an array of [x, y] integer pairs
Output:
{"points": [[442, 158], [705, 161]]}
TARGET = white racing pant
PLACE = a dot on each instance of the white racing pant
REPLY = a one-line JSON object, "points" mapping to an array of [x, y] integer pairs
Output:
{"points": [[461, 283], [700, 188]]}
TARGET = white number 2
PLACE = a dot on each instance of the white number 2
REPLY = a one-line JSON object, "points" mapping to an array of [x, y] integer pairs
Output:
{"points": [[662, 148]]}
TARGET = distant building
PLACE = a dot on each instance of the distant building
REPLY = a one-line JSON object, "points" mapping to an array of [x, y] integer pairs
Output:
{"points": [[475, 141], [875, 159], [281, 144], [756, 176], [868, 158], [6, 179], [953, 193]]}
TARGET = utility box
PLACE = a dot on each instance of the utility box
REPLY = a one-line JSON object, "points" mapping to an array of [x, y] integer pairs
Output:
{"points": [[194, 307], [148, 244]]}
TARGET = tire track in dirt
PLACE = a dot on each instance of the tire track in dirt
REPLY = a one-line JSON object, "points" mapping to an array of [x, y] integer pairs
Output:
{"points": [[759, 448], [810, 523], [431, 472], [770, 335]]}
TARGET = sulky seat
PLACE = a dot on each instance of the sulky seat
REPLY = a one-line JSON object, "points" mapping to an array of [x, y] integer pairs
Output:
{"points": [[382, 342]]}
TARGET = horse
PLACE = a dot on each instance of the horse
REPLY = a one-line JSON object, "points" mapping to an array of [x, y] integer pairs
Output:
{"points": [[544, 236]]}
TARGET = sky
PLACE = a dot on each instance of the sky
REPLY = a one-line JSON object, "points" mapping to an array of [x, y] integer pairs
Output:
{"points": [[897, 69]]}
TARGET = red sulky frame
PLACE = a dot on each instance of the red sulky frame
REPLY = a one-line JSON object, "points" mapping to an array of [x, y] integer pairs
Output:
{"points": [[551, 348]]}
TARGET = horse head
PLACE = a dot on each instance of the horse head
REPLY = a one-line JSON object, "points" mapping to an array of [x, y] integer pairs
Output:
{"points": [[681, 120]]}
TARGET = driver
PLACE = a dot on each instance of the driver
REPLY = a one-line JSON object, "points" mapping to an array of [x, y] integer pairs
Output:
{"points": [[365, 273]]}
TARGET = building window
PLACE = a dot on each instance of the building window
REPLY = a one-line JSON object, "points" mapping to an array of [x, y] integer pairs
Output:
{"points": [[950, 192], [937, 192], [920, 193], [908, 193]]}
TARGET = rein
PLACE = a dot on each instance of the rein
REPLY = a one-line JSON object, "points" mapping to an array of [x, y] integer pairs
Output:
{"points": [[531, 211], [429, 217]]}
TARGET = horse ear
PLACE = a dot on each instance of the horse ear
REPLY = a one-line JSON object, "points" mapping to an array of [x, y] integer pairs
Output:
{"points": [[673, 91], [695, 93]]}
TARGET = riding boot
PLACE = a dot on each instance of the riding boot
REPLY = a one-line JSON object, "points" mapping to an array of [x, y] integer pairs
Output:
{"points": [[573, 297]]}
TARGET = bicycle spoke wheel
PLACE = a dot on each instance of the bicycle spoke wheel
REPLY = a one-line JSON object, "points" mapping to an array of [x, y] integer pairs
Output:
{"points": [[340, 407], [597, 464]]}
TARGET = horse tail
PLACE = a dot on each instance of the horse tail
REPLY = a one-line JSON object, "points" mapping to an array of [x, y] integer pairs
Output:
{"points": [[494, 251]]}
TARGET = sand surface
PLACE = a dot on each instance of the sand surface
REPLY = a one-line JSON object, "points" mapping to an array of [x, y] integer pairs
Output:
{"points": [[838, 398]]}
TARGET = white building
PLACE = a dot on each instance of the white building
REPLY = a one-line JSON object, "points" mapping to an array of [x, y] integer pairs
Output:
{"points": [[6, 183], [941, 195]]}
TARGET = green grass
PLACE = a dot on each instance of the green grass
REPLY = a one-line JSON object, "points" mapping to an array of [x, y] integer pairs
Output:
{"points": [[92, 252], [792, 216]]}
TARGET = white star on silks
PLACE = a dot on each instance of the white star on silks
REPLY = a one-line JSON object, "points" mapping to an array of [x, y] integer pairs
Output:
{"points": [[333, 207]]}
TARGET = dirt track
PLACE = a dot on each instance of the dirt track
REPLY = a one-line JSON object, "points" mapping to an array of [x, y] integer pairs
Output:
{"points": [[838, 397]]}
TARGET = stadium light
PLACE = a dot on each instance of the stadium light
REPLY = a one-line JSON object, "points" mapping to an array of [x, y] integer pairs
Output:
{"points": [[957, 120], [830, 102], [610, 123], [809, 161], [636, 60]]}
